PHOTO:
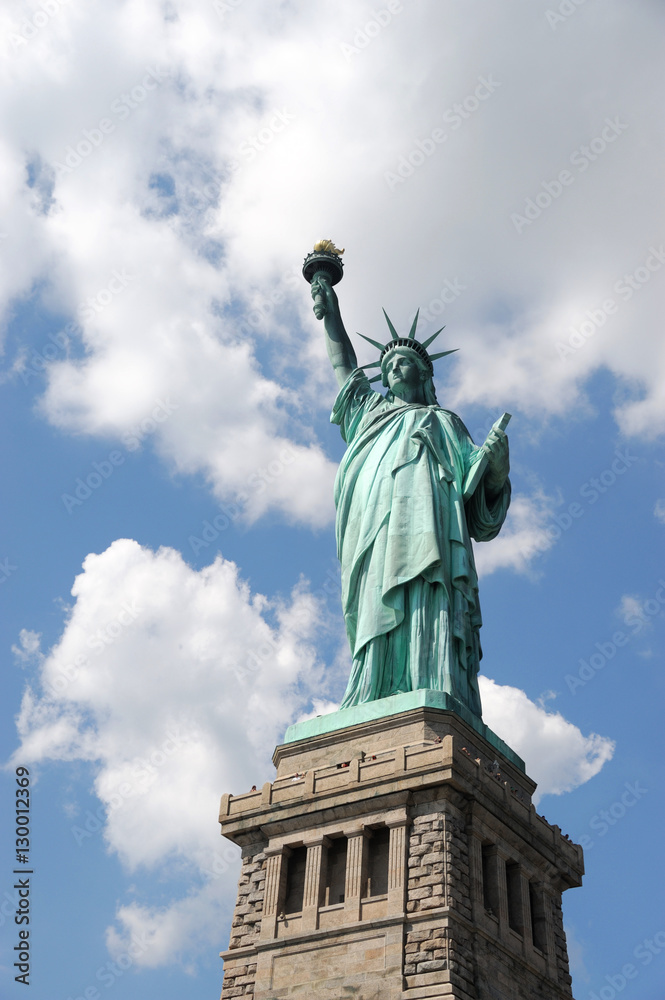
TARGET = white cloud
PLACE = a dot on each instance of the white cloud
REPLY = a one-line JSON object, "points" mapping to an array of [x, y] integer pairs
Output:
{"points": [[29, 646], [659, 511], [155, 936], [556, 753], [319, 707], [639, 612], [163, 672], [523, 537], [630, 606], [222, 167]]}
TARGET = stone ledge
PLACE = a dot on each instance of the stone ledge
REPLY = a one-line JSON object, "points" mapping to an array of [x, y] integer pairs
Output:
{"points": [[406, 755], [438, 992], [398, 704], [344, 930], [427, 978]]}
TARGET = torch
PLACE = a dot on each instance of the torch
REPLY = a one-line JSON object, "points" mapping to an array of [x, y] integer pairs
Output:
{"points": [[324, 262]]}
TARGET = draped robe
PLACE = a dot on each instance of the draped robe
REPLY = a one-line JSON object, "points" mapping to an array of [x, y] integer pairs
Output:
{"points": [[409, 583]]}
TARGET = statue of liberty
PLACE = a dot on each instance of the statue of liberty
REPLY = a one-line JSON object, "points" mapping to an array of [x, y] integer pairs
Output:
{"points": [[411, 492]]}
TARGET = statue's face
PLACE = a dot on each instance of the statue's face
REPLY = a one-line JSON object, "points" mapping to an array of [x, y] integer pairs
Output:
{"points": [[403, 371]]}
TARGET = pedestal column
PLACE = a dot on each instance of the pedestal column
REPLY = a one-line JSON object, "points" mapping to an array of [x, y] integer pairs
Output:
{"points": [[397, 848], [314, 881], [275, 890], [356, 873]]}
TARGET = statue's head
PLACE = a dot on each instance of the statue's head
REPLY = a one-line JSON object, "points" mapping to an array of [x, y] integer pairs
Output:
{"points": [[404, 360], [403, 365]]}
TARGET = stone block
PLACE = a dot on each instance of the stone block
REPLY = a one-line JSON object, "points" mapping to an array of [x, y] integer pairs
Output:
{"points": [[431, 902], [432, 966], [418, 933], [415, 894]]}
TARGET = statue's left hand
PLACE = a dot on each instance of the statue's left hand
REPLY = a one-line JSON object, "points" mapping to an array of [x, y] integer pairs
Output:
{"points": [[498, 460]]}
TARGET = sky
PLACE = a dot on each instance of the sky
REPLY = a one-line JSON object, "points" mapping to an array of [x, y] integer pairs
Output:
{"points": [[167, 566]]}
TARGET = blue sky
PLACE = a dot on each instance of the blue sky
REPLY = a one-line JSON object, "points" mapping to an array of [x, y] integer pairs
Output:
{"points": [[167, 562]]}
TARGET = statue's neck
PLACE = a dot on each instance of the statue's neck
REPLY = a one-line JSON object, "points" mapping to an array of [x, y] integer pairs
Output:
{"points": [[411, 395]]}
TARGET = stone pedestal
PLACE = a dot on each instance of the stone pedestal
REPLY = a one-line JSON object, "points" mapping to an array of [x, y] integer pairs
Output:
{"points": [[400, 857]]}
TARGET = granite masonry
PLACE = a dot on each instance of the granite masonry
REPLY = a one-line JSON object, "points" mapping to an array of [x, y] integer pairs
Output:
{"points": [[397, 858]]}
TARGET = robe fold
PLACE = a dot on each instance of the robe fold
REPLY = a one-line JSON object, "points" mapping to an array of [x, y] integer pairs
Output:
{"points": [[409, 583]]}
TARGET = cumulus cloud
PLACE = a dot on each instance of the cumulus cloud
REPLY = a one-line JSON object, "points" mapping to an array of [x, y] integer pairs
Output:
{"points": [[630, 606], [29, 645], [199, 169], [556, 753], [638, 612], [528, 532], [319, 707], [163, 672], [155, 936]]}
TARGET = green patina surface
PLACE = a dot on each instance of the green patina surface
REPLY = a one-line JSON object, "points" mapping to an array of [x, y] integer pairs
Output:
{"points": [[395, 704], [412, 491]]}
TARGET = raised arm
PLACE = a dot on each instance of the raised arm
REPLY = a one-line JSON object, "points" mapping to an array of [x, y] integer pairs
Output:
{"points": [[340, 349]]}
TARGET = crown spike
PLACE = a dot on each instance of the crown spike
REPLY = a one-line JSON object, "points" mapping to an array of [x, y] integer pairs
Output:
{"points": [[412, 331], [429, 340], [371, 364], [393, 332], [442, 354], [369, 340]]}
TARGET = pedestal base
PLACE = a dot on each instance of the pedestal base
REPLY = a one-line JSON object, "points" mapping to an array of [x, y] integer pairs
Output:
{"points": [[399, 857], [395, 705]]}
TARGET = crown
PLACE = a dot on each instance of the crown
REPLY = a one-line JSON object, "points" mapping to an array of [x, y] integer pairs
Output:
{"points": [[409, 342]]}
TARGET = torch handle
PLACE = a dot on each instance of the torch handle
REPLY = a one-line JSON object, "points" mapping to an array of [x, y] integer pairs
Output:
{"points": [[318, 299]]}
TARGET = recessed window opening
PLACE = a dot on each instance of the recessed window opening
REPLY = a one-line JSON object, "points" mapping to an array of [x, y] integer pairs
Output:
{"points": [[295, 880], [490, 880], [335, 880], [514, 887], [377, 862], [538, 919]]}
